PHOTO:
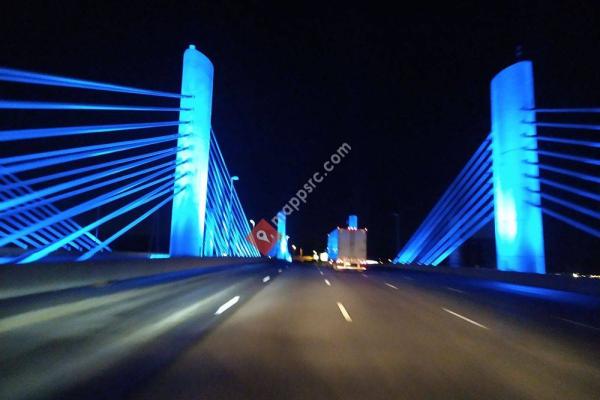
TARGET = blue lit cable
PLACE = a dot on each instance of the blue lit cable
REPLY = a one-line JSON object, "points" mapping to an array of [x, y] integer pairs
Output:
{"points": [[574, 142], [86, 180], [567, 188], [87, 151], [4, 230], [46, 162], [487, 218], [571, 205], [41, 105], [477, 170], [41, 253], [566, 110], [553, 154], [479, 199], [407, 254], [458, 207], [13, 75], [567, 172], [44, 236], [570, 221], [77, 171], [69, 225], [126, 228], [160, 169], [85, 206], [42, 133], [560, 125]]}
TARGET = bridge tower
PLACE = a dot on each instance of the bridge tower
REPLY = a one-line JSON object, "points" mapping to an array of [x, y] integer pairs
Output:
{"points": [[189, 205], [518, 222]]}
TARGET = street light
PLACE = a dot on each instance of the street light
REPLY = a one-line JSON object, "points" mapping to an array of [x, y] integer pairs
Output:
{"points": [[233, 179]]}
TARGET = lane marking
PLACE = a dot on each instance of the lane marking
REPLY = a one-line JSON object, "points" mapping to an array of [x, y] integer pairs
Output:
{"points": [[344, 312], [365, 275], [227, 305], [327, 282], [408, 278], [454, 290], [321, 272], [266, 279], [579, 324], [465, 318], [279, 270], [392, 286]]}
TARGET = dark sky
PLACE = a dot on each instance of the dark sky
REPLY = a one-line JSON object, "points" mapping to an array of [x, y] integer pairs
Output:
{"points": [[406, 87]]}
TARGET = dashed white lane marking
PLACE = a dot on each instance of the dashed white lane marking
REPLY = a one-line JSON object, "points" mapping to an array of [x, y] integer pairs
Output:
{"points": [[465, 318], [321, 272], [227, 305], [266, 279], [579, 324], [454, 290], [390, 285], [408, 278], [344, 312], [327, 282], [365, 275], [279, 270]]}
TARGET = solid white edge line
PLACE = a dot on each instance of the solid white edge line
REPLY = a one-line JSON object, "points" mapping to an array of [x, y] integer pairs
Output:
{"points": [[327, 282], [344, 312], [465, 318], [266, 279], [390, 285], [227, 305]]}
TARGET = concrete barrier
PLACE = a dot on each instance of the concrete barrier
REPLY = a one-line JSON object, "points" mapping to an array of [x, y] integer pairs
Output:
{"points": [[563, 282], [26, 279]]}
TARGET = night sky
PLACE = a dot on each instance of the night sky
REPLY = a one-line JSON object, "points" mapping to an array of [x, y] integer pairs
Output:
{"points": [[406, 87]]}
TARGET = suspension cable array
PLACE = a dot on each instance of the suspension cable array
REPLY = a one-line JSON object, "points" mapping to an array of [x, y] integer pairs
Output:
{"points": [[569, 168], [226, 223], [76, 171], [465, 207]]}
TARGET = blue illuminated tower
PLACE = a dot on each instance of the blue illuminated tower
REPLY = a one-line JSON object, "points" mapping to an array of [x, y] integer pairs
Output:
{"points": [[189, 205], [518, 222], [282, 245], [352, 222]]}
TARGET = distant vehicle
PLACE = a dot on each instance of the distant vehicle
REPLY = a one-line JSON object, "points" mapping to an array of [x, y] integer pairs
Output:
{"points": [[347, 247]]}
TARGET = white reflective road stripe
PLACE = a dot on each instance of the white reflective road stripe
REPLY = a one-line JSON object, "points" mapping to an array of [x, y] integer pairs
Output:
{"points": [[344, 312], [465, 318], [227, 305]]}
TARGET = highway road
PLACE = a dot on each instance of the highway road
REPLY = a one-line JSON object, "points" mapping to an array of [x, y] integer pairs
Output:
{"points": [[286, 331]]}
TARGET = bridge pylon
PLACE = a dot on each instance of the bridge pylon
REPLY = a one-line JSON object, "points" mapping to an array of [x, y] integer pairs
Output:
{"points": [[189, 205], [517, 215]]}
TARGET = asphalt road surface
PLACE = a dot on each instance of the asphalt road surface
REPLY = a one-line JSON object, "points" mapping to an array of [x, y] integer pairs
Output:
{"points": [[301, 332]]}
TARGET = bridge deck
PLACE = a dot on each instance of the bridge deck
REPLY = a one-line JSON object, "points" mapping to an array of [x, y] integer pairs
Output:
{"points": [[302, 333]]}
